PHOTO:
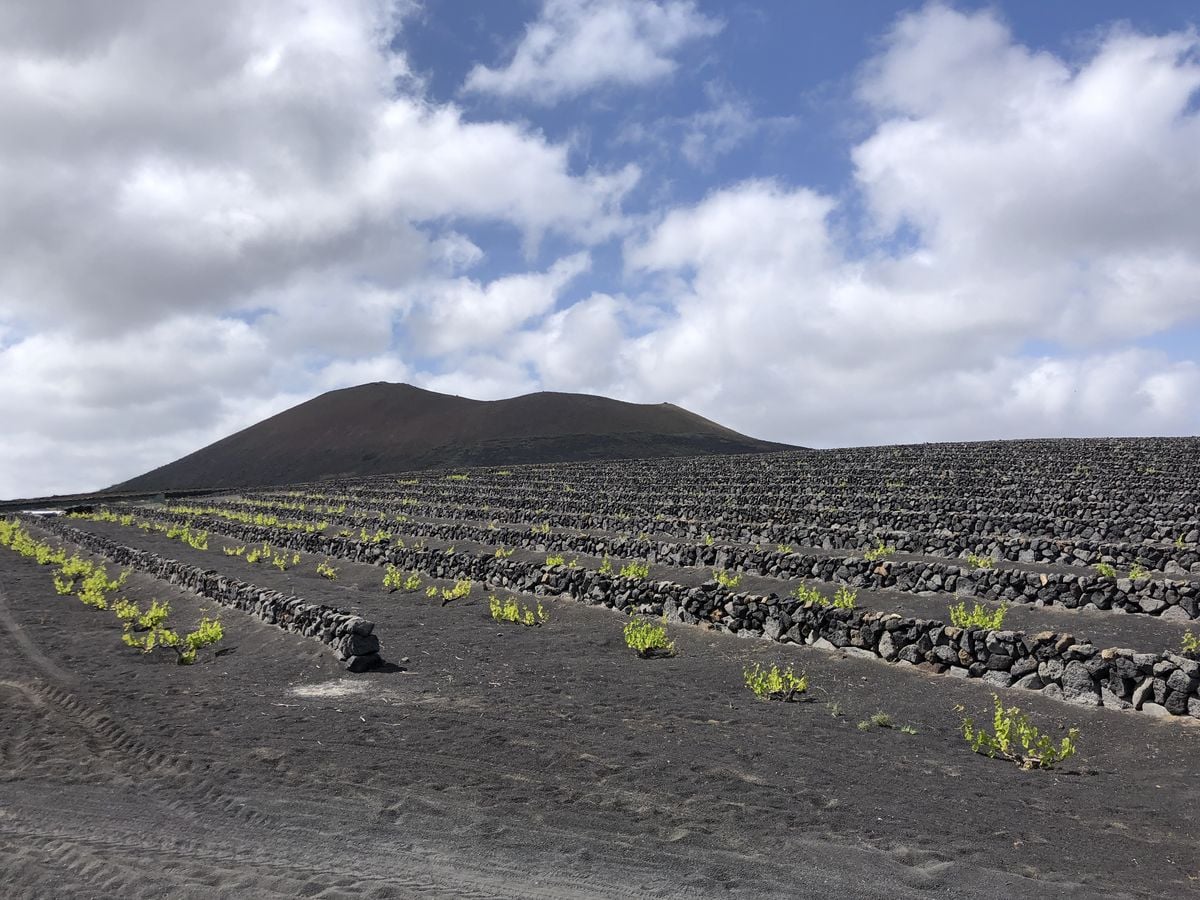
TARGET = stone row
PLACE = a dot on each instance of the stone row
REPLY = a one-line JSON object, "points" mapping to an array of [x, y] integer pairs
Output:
{"points": [[351, 637], [1173, 599], [692, 481], [1150, 471], [796, 527], [1079, 552], [1054, 663], [605, 509]]}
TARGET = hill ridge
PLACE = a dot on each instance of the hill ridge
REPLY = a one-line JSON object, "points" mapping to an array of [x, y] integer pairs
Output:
{"points": [[383, 427]]}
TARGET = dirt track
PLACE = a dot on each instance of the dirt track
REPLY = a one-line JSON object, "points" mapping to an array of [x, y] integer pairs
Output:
{"points": [[539, 763]]}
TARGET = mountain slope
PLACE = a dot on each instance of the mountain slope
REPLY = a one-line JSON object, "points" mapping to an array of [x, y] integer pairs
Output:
{"points": [[381, 428]]}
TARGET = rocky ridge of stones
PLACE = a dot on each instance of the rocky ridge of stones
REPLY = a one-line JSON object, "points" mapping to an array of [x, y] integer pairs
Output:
{"points": [[943, 542], [1054, 663], [1172, 599]]}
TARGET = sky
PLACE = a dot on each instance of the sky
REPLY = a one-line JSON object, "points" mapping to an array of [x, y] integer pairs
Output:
{"points": [[815, 223]]}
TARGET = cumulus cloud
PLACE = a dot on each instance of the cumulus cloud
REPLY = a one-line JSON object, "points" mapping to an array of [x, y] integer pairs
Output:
{"points": [[1049, 203], [209, 217], [452, 316], [157, 164], [578, 45], [1010, 161], [260, 184]]}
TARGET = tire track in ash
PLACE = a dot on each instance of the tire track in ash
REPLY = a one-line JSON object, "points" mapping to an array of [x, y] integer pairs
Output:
{"points": [[29, 648], [118, 858], [89, 862], [182, 782]]}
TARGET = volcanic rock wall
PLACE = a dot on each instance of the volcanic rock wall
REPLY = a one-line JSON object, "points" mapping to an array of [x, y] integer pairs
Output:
{"points": [[1172, 598], [1160, 683], [351, 637]]}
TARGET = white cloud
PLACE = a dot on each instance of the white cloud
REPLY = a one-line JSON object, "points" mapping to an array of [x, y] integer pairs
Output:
{"points": [[209, 219], [1050, 204], [578, 45], [456, 315], [1009, 161], [172, 158], [576, 349], [110, 407], [209, 213]]}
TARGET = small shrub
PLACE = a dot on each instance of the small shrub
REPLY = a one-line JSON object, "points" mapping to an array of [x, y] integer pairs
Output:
{"points": [[635, 570], [126, 611], [979, 617], [1013, 738], [207, 633], [147, 630], [234, 551], [556, 560], [785, 549], [845, 598], [431, 591], [805, 594], [647, 639], [980, 562], [501, 553], [97, 585], [457, 477], [775, 684], [544, 528], [878, 719], [708, 539], [326, 570], [509, 610], [1190, 644], [393, 578], [45, 555], [1137, 571], [69, 572], [606, 566], [461, 589], [728, 580], [1105, 570], [879, 552]]}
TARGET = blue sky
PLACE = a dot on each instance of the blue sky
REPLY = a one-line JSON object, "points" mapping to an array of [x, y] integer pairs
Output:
{"points": [[918, 222]]}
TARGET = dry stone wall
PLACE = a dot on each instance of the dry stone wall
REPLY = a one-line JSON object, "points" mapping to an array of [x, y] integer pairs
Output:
{"points": [[1172, 598], [1055, 663], [351, 637]]}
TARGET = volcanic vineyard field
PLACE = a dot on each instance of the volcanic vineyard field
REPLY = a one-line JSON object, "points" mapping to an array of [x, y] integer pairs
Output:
{"points": [[484, 611]]}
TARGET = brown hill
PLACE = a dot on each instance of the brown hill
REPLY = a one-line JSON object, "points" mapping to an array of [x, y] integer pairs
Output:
{"points": [[381, 428]]}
